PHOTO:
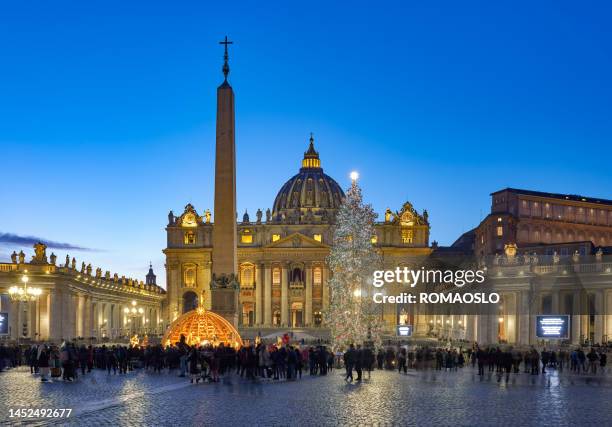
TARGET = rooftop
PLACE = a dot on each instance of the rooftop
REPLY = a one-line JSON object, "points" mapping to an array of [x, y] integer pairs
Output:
{"points": [[572, 197]]}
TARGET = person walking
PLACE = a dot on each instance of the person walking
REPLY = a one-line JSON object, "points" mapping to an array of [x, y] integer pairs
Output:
{"points": [[349, 360], [401, 361]]}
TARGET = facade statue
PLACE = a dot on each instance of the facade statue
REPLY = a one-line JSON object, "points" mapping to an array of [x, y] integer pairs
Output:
{"points": [[98, 273], [426, 216], [21, 257], [115, 278], [107, 275], [388, 215], [510, 251], [40, 253], [88, 269], [73, 263], [67, 264], [268, 215], [14, 257], [207, 216], [576, 256], [170, 218], [83, 268], [52, 258], [259, 215], [245, 217]]}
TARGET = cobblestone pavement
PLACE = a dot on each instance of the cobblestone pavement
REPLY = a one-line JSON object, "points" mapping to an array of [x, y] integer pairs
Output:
{"points": [[419, 398]]}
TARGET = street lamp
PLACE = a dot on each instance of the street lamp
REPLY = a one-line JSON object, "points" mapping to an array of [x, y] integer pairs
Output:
{"points": [[134, 312], [24, 293]]}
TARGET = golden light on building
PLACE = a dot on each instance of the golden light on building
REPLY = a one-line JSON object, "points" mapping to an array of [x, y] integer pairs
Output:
{"points": [[275, 237], [317, 237], [202, 327]]}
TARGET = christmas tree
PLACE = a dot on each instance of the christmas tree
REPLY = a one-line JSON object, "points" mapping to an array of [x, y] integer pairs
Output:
{"points": [[352, 316]]}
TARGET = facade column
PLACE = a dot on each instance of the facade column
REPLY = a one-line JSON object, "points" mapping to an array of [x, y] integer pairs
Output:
{"points": [[55, 316], [308, 299], [88, 322], [80, 315], [284, 296], [325, 287], [523, 311], [259, 284], [555, 301], [576, 317], [14, 311], [268, 295], [598, 317]]}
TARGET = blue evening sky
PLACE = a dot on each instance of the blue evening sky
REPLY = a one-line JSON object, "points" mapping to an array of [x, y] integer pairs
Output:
{"points": [[107, 112]]}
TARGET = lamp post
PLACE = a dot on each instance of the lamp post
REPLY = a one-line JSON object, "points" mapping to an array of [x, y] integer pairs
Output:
{"points": [[133, 313], [23, 294]]}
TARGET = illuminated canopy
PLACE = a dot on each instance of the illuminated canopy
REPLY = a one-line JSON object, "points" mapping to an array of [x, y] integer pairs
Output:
{"points": [[201, 326]]}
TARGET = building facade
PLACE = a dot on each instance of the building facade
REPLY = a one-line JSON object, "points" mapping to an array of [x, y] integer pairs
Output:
{"points": [[77, 303], [528, 218], [282, 269], [577, 285]]}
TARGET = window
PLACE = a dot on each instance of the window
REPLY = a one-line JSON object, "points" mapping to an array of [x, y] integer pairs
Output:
{"points": [[275, 237], [189, 276], [276, 276], [317, 237], [247, 275], [374, 239], [246, 236], [500, 231], [190, 238], [316, 275], [499, 219], [407, 236]]}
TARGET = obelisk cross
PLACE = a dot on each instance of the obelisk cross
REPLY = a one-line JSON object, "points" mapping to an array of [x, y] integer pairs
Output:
{"points": [[225, 57]]}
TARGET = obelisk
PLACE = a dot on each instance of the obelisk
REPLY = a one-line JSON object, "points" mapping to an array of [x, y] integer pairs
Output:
{"points": [[224, 286]]}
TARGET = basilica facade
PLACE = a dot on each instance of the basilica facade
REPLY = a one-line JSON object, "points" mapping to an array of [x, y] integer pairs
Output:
{"points": [[281, 253]]}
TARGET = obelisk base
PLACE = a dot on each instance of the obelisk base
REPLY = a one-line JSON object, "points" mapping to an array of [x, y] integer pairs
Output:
{"points": [[224, 298]]}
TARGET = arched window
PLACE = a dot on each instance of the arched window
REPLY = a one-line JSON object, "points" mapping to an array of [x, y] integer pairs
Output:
{"points": [[276, 318], [190, 301], [189, 275], [248, 318]]}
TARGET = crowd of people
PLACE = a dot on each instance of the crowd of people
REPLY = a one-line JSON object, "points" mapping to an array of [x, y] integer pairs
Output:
{"points": [[282, 361]]}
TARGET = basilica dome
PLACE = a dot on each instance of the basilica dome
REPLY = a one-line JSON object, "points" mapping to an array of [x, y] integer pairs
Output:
{"points": [[309, 194], [202, 327]]}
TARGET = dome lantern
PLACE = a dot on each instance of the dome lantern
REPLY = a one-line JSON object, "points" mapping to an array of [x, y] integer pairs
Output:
{"points": [[311, 157], [311, 196]]}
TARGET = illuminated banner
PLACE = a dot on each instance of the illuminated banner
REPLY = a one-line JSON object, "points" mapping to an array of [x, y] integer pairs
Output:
{"points": [[404, 330], [552, 327], [4, 324]]}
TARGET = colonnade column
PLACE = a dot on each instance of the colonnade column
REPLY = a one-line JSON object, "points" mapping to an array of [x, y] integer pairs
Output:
{"points": [[259, 284], [308, 299], [599, 312], [284, 296], [575, 322], [267, 295]]}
